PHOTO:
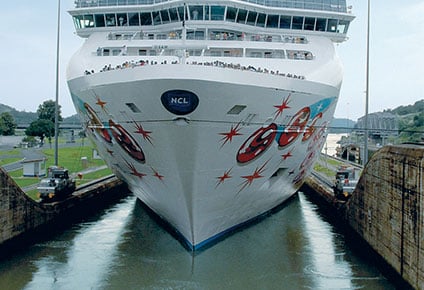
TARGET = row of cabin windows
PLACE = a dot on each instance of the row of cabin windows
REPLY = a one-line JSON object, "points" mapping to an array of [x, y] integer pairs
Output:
{"points": [[211, 13], [213, 35], [236, 52]]}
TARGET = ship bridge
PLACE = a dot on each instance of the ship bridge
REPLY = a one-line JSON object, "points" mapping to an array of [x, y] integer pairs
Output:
{"points": [[323, 5], [328, 18]]}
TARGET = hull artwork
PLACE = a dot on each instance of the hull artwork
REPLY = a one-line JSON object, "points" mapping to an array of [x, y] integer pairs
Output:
{"points": [[207, 141]]}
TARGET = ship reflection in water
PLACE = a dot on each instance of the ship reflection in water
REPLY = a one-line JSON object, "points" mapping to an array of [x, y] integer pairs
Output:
{"points": [[295, 248]]}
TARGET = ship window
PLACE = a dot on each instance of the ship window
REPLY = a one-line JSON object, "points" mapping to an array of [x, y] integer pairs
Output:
{"points": [[241, 16], [215, 53], [142, 52], [133, 107], [196, 12], [122, 19], [165, 16], [297, 22], [237, 109], [217, 12], [156, 18], [332, 25], [279, 172], [321, 24], [231, 14], [88, 21], [152, 52], [251, 17], [116, 52], [207, 14], [309, 23], [261, 20], [195, 52], [272, 21], [255, 54], [110, 20], [78, 21], [134, 19], [285, 22], [181, 13], [100, 20], [173, 15], [105, 52], [146, 18], [343, 26], [299, 55]]}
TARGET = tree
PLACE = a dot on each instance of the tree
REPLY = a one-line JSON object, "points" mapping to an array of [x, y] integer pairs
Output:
{"points": [[419, 120], [7, 124], [46, 111], [41, 128]]}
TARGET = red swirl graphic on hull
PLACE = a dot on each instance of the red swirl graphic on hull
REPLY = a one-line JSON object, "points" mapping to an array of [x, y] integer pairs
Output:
{"points": [[257, 143], [97, 124], [126, 141]]}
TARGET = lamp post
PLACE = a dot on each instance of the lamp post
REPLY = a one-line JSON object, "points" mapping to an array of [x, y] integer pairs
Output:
{"points": [[367, 88], [56, 116]]}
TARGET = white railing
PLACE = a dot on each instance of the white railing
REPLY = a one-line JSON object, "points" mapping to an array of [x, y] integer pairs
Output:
{"points": [[325, 5]]}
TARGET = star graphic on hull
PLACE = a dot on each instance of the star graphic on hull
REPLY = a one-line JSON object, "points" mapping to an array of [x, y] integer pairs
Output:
{"points": [[250, 178], [134, 171], [156, 174], [142, 132], [234, 131], [224, 177], [100, 103], [280, 108], [287, 155]]}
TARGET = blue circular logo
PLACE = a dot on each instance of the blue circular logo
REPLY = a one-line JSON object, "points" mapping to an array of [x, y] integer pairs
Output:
{"points": [[180, 102]]}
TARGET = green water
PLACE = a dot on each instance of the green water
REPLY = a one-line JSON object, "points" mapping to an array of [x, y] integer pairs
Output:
{"points": [[122, 247]]}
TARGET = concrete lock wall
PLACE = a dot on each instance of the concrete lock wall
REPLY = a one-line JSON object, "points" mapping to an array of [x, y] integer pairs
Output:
{"points": [[18, 213], [386, 209]]}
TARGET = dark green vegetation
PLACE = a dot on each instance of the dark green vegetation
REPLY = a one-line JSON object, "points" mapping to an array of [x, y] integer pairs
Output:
{"points": [[7, 124], [411, 122]]}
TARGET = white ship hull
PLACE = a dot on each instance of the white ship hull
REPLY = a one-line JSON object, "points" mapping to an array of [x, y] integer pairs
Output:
{"points": [[209, 171], [213, 112]]}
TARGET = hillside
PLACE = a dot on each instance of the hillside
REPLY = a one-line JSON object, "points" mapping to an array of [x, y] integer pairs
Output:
{"points": [[22, 117]]}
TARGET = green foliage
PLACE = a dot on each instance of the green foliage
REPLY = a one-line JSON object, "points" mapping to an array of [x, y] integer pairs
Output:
{"points": [[418, 107], [46, 111], [20, 117], [419, 120], [7, 124], [41, 128]]}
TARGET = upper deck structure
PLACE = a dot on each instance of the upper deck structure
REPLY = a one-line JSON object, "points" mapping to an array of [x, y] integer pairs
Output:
{"points": [[329, 18]]}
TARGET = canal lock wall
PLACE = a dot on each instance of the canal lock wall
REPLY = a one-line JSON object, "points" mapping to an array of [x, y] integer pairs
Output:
{"points": [[387, 209], [21, 216]]}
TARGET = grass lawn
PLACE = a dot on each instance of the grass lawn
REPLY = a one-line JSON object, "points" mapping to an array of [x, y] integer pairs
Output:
{"points": [[321, 169], [6, 160], [93, 176], [9, 156], [69, 157]]}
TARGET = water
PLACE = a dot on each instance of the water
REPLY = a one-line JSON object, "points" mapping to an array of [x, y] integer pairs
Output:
{"points": [[122, 247]]}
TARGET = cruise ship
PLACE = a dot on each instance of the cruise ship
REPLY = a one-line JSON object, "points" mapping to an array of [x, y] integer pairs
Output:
{"points": [[213, 112]]}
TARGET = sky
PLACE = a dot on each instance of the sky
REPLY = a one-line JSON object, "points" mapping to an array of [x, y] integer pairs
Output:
{"points": [[28, 55]]}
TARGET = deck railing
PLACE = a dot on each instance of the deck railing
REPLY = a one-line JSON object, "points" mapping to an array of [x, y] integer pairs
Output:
{"points": [[325, 5]]}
